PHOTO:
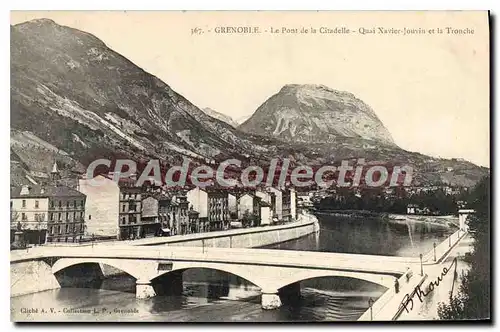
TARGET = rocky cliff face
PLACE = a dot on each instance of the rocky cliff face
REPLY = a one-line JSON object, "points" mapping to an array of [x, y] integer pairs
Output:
{"points": [[74, 100], [219, 116], [71, 92], [316, 114]]}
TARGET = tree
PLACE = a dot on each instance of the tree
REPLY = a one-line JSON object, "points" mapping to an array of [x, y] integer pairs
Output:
{"points": [[473, 299]]}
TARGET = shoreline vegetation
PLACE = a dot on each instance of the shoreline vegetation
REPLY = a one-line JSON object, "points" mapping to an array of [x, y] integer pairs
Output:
{"points": [[444, 221]]}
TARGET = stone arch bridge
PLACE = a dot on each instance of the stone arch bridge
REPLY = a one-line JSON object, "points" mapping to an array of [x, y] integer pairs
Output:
{"points": [[273, 271]]}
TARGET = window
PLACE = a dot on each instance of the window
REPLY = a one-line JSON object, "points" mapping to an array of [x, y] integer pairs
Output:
{"points": [[90, 217], [11, 204], [123, 208], [23, 216], [51, 216], [24, 203], [67, 204], [52, 204], [67, 229], [51, 230], [60, 204], [67, 215], [81, 230], [59, 216], [74, 204]]}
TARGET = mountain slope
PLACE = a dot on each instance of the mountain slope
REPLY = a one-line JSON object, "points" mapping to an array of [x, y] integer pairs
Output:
{"points": [[71, 91], [74, 100], [316, 114], [219, 116]]}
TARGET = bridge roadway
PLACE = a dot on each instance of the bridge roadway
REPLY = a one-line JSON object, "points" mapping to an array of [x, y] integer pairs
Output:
{"points": [[273, 271]]}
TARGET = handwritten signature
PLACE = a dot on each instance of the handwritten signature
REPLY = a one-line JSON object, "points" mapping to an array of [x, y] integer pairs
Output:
{"points": [[408, 298]]}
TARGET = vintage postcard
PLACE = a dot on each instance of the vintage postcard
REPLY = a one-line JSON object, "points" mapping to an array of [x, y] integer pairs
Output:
{"points": [[319, 166]]}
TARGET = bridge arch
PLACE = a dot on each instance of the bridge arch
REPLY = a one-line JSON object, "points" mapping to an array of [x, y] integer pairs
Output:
{"points": [[248, 273], [379, 279], [126, 266]]}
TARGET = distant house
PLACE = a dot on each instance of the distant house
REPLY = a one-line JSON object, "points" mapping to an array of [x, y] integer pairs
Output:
{"points": [[411, 209]]}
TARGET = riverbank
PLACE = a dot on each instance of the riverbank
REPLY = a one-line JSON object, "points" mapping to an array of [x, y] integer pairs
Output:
{"points": [[444, 221], [235, 238], [350, 213]]}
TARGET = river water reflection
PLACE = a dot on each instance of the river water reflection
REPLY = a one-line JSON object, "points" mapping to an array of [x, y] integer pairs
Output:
{"points": [[211, 296]]}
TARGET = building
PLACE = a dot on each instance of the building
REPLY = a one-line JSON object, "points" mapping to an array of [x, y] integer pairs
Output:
{"points": [[48, 213], [212, 206], [411, 209], [286, 205], [463, 215], [293, 204], [266, 196], [266, 215], [249, 207], [150, 217], [165, 214], [194, 221], [102, 206], [173, 213], [115, 209], [218, 212], [182, 218], [232, 203], [278, 202], [130, 208]]}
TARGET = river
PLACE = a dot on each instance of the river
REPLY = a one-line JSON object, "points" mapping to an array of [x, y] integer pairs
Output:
{"points": [[211, 296]]}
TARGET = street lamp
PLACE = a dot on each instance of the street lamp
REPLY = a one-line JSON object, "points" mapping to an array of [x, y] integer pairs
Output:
{"points": [[421, 266], [434, 245], [370, 304]]}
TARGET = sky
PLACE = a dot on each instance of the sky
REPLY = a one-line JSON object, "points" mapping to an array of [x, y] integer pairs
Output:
{"points": [[430, 90]]}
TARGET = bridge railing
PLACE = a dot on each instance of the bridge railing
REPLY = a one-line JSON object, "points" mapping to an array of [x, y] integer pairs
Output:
{"points": [[406, 281], [436, 254]]}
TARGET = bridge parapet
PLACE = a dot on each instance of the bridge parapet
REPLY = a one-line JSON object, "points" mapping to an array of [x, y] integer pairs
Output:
{"points": [[435, 255]]}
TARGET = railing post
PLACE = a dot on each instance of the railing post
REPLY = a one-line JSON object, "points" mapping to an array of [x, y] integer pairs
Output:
{"points": [[370, 304], [449, 241], [434, 251], [421, 266]]}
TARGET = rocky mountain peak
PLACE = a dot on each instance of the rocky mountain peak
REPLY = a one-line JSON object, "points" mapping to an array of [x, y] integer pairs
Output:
{"points": [[310, 113]]}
